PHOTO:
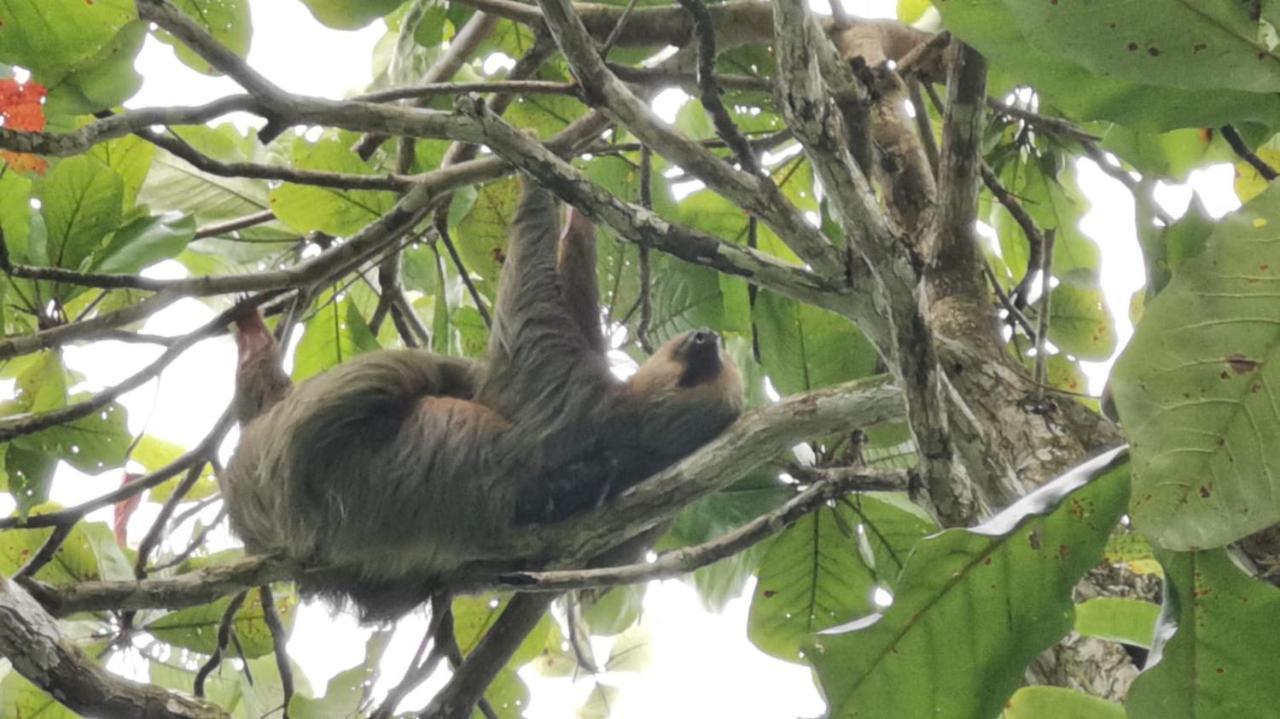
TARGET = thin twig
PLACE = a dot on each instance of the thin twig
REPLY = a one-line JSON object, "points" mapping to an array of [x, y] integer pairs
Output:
{"points": [[152, 537], [442, 229], [26, 424], [1055, 125], [434, 89], [709, 91], [1042, 332], [73, 514], [1035, 238], [240, 223], [278, 639], [47, 551], [828, 484], [616, 32], [224, 638], [419, 669], [1238, 145]]}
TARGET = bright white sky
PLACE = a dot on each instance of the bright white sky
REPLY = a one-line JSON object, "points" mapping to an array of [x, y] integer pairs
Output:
{"points": [[702, 664]]}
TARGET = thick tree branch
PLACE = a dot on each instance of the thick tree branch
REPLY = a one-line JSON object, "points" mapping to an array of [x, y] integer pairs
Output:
{"points": [[32, 641], [898, 325], [110, 128]]}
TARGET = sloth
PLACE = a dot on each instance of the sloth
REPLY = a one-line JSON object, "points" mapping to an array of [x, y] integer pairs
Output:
{"points": [[390, 471]]}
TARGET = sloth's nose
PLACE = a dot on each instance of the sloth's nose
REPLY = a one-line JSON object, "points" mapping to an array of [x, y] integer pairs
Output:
{"points": [[703, 336]]}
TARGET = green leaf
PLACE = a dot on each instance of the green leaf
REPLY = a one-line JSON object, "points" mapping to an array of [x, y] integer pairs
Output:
{"points": [[803, 347], [910, 11], [713, 515], [811, 578], [129, 157], [1054, 202], [196, 628], [15, 215], [1197, 46], [228, 21], [982, 602], [334, 334], [144, 242], [49, 37], [1131, 621], [90, 444], [599, 703], [174, 185], [995, 29], [1197, 388], [338, 212], [20, 699], [1079, 322], [1218, 661], [82, 200], [101, 81], [507, 695], [89, 553], [481, 237], [632, 651], [1169, 155], [350, 14], [1059, 703], [473, 616], [613, 610]]}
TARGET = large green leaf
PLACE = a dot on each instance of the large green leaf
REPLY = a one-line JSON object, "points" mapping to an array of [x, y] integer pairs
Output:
{"points": [[1171, 43], [825, 570], [335, 333], [90, 552], [1059, 703], [100, 81], [1079, 322], [1220, 661], [196, 628], [994, 29], [1054, 202], [49, 37], [1117, 619], [82, 203], [144, 242], [974, 607], [715, 514], [129, 157], [1198, 389], [481, 236], [804, 348], [175, 185], [810, 579], [350, 14], [337, 212]]}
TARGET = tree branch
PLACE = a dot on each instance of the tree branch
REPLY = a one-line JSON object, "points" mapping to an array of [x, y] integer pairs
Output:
{"points": [[687, 559], [753, 440], [78, 141], [753, 193], [32, 641]]}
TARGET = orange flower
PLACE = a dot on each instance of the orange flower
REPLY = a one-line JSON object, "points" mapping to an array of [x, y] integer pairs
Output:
{"points": [[22, 109]]}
